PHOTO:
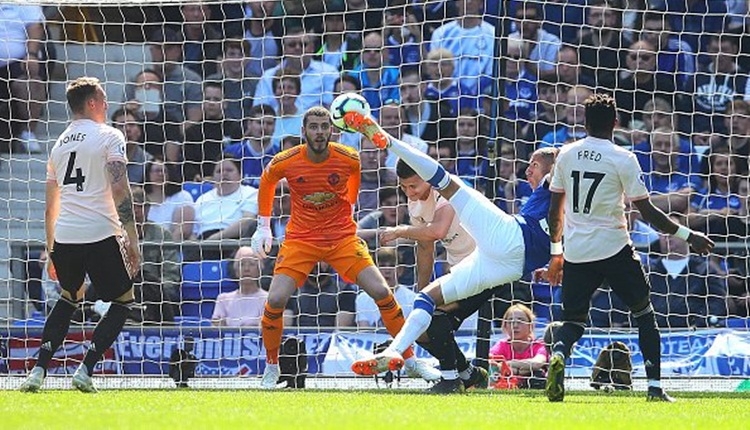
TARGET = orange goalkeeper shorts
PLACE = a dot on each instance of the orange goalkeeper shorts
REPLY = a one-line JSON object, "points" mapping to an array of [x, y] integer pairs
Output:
{"points": [[348, 258]]}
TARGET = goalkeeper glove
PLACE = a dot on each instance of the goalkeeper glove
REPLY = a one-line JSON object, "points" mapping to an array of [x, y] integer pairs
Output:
{"points": [[262, 239]]}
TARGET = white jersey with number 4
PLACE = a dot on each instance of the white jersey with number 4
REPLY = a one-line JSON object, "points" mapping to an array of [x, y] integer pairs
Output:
{"points": [[596, 176], [77, 163]]}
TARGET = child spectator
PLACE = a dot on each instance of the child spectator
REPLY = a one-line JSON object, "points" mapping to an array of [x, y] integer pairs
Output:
{"points": [[244, 306], [525, 356]]}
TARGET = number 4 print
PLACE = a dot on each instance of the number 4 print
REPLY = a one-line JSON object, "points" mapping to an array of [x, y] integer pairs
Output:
{"points": [[78, 179], [596, 177]]}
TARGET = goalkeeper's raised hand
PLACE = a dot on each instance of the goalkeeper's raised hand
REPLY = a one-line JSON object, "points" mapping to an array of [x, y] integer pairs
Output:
{"points": [[262, 239]]}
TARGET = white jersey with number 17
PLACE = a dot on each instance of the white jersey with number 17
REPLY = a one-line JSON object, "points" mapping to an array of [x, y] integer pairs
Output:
{"points": [[77, 163], [596, 176]]}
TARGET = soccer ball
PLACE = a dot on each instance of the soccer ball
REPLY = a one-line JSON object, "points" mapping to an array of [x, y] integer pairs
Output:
{"points": [[347, 102]]}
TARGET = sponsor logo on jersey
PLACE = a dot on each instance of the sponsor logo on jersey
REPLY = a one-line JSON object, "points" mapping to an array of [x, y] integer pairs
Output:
{"points": [[319, 198]]}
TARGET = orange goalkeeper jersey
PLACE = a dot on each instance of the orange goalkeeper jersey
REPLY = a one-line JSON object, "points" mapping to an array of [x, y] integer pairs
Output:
{"points": [[322, 194]]}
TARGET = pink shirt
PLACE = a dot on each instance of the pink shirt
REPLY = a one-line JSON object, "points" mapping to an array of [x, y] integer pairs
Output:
{"points": [[239, 310], [504, 348]]}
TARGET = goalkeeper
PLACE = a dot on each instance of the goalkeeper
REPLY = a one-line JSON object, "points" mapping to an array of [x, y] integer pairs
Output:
{"points": [[507, 247], [323, 180]]}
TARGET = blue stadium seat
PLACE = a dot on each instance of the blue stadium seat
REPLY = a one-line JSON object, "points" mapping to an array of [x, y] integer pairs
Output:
{"points": [[202, 281], [741, 323], [196, 189]]}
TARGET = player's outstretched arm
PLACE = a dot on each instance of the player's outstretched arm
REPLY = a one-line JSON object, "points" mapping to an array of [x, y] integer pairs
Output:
{"points": [[654, 216], [123, 198]]}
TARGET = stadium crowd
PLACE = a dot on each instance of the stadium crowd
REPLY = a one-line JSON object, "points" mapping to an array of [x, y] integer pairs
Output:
{"points": [[228, 84]]}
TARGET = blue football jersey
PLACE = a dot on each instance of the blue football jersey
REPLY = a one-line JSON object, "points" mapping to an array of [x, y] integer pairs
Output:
{"points": [[533, 221]]}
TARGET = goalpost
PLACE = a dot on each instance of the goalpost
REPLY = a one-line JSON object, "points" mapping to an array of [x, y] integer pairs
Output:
{"points": [[511, 94]]}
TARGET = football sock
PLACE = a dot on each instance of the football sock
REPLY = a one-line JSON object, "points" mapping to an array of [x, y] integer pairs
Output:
{"points": [[650, 343], [442, 344], [105, 333], [465, 374], [426, 167], [393, 318], [417, 323], [272, 327], [566, 336], [449, 375], [55, 329]]}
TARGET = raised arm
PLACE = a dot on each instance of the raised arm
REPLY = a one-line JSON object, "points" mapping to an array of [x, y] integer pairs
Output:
{"points": [[654, 216]]}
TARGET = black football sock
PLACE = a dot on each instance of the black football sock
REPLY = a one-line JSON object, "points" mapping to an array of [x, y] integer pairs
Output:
{"points": [[442, 344], [55, 329], [105, 333], [566, 336], [650, 343]]}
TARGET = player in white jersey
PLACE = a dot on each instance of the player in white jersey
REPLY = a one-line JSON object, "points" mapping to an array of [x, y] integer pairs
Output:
{"points": [[88, 206], [432, 219], [591, 179], [507, 247]]}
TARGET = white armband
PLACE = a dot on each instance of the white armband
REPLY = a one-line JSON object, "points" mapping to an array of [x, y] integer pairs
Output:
{"points": [[683, 232], [555, 248]]}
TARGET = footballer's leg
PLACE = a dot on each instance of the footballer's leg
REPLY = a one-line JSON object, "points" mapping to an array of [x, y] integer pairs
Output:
{"points": [[70, 268], [272, 326]]}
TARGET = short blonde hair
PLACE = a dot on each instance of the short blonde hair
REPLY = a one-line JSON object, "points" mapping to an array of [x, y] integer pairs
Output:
{"points": [[440, 54], [522, 308]]}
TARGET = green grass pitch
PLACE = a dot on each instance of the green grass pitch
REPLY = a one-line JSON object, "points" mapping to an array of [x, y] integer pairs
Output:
{"points": [[353, 410]]}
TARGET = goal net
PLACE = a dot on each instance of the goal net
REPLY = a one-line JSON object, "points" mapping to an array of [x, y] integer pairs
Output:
{"points": [[206, 93]]}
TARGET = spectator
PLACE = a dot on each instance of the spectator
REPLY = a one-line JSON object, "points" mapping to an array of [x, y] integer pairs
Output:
{"points": [[205, 140], [674, 57], [157, 283], [244, 306], [238, 86], [718, 199], [340, 47], [520, 89], [390, 213], [713, 88], [685, 290], [346, 84], [202, 45], [374, 177], [182, 86], [368, 314], [539, 47], [289, 120], [737, 122], [696, 19], [572, 128], [568, 69], [472, 133], [657, 113], [445, 153], [443, 87], [227, 211], [321, 302], [738, 281], [288, 142], [641, 83], [551, 112], [170, 207], [669, 181], [127, 122], [526, 356], [471, 41], [23, 76], [316, 76], [379, 81], [364, 15], [403, 37], [161, 131], [428, 120], [256, 150], [262, 30], [392, 120], [602, 40]]}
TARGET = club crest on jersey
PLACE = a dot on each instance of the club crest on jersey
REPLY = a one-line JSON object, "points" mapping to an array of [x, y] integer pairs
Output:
{"points": [[334, 178]]}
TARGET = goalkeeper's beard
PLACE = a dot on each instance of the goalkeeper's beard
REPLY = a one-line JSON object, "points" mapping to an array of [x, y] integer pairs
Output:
{"points": [[317, 151]]}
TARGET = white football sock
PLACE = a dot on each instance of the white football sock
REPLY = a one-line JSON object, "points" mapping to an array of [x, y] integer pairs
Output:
{"points": [[426, 167], [415, 325]]}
